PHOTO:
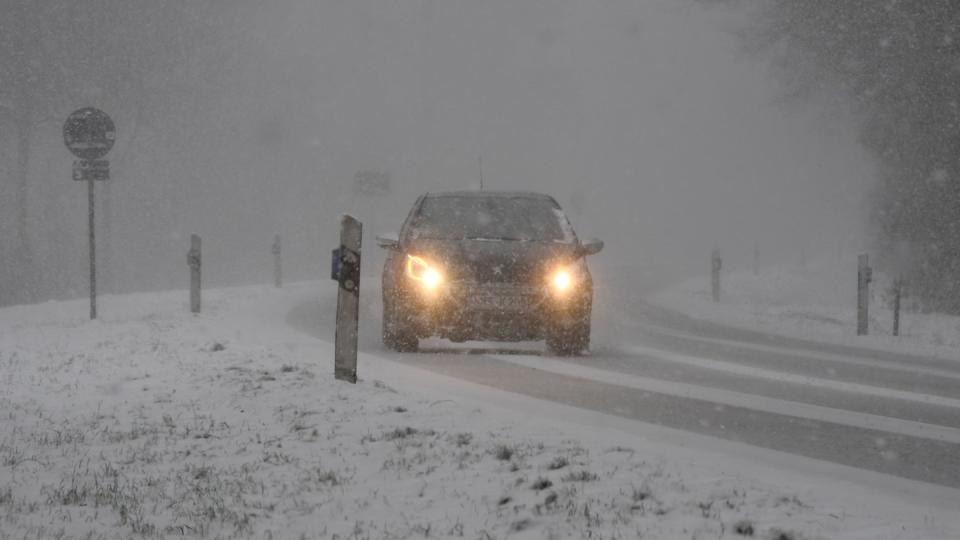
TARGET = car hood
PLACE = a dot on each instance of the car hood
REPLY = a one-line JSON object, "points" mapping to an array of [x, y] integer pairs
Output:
{"points": [[494, 261]]}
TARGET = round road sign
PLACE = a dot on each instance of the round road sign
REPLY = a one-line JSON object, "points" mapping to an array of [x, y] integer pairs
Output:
{"points": [[89, 133]]}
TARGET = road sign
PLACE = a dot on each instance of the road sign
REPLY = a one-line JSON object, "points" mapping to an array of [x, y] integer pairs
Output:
{"points": [[89, 133], [91, 169]]}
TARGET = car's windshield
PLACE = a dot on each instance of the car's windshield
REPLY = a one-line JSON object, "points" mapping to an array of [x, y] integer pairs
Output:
{"points": [[491, 218]]}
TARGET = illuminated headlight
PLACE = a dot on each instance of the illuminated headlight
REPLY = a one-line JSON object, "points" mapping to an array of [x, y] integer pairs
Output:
{"points": [[422, 272], [564, 279]]}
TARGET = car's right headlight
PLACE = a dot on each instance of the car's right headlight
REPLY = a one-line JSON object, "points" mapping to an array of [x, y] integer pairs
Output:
{"points": [[565, 278], [428, 275], [561, 280]]}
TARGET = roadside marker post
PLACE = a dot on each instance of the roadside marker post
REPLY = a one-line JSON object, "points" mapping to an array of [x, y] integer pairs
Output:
{"points": [[897, 294], [277, 269], [864, 277], [194, 261], [346, 270], [716, 263]]}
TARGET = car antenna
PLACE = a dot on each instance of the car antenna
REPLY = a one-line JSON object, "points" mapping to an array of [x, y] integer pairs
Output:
{"points": [[480, 163]]}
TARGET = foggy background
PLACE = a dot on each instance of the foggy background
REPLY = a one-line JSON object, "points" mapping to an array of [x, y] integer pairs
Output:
{"points": [[646, 120]]}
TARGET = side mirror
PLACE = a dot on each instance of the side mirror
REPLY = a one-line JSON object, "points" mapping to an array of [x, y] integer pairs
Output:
{"points": [[388, 241], [591, 247]]}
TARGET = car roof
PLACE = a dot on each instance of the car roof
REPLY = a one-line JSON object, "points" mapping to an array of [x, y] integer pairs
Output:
{"points": [[491, 194]]}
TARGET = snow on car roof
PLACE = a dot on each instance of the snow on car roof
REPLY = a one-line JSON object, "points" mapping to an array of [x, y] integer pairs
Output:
{"points": [[492, 194]]}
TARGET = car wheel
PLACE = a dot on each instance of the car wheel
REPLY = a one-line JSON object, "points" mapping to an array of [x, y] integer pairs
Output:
{"points": [[397, 335], [568, 340]]}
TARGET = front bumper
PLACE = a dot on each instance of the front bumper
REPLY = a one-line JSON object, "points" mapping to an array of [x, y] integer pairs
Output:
{"points": [[494, 312]]}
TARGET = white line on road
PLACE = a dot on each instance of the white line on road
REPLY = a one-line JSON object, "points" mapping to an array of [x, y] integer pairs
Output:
{"points": [[806, 353], [753, 371], [748, 401]]}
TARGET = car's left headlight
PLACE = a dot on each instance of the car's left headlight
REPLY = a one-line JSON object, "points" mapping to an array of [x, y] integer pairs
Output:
{"points": [[428, 275]]}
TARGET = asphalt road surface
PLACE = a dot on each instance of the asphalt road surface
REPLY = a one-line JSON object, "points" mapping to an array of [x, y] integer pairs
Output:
{"points": [[884, 412]]}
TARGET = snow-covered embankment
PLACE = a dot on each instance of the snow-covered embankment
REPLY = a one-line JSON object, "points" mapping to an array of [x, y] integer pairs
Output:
{"points": [[153, 422]]}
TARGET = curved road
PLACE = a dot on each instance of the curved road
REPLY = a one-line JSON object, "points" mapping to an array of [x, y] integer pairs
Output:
{"points": [[885, 412]]}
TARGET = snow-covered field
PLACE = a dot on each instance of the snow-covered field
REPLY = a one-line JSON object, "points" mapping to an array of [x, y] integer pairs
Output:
{"points": [[153, 422], [816, 301]]}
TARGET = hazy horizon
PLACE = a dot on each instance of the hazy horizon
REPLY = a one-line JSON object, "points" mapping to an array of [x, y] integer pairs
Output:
{"points": [[646, 120]]}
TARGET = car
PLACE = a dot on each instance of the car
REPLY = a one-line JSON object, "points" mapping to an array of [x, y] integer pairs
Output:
{"points": [[487, 266]]}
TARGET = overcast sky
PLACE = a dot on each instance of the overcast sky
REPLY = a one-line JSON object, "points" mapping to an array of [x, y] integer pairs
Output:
{"points": [[649, 108], [644, 118]]}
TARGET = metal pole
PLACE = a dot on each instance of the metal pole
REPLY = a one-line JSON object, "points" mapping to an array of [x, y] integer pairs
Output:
{"points": [[106, 236], [93, 249], [348, 300]]}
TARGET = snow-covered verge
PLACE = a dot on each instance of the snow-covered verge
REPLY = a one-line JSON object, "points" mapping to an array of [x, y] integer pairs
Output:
{"points": [[154, 423], [815, 301]]}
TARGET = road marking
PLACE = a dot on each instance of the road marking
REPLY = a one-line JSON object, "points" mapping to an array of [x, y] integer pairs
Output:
{"points": [[806, 353], [747, 401], [752, 371]]}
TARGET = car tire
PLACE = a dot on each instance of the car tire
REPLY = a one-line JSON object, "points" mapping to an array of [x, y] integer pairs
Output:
{"points": [[568, 340], [397, 336]]}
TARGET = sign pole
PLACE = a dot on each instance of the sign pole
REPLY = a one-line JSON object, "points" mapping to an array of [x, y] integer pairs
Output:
{"points": [[93, 249], [89, 134]]}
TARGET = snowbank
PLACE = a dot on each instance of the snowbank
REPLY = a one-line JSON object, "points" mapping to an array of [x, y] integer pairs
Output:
{"points": [[816, 301], [152, 422]]}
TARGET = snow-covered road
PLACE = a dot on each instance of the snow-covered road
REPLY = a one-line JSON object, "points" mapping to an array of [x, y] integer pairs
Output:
{"points": [[884, 412]]}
